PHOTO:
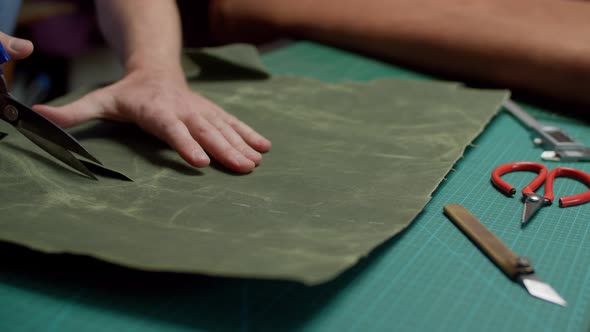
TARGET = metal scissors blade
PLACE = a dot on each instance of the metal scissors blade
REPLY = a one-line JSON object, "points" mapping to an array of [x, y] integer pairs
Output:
{"points": [[57, 151], [44, 133], [40, 130], [41, 126], [532, 204]]}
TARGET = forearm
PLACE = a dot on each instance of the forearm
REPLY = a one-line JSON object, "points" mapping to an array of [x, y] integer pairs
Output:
{"points": [[536, 46], [146, 34]]}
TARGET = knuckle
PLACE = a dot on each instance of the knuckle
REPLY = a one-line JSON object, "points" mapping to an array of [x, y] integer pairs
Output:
{"points": [[231, 120], [170, 128], [202, 129]]}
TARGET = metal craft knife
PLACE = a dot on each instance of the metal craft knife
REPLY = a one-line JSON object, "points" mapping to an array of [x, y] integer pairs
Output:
{"points": [[515, 267]]}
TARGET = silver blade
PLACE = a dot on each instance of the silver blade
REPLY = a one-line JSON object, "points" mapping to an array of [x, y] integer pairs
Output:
{"points": [[541, 290], [532, 204], [57, 151], [43, 127]]}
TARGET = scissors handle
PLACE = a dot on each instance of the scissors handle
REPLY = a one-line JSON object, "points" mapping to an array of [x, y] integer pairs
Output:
{"points": [[570, 173], [518, 166]]}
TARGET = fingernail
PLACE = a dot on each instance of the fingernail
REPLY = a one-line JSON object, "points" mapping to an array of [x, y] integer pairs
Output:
{"points": [[241, 161], [264, 144], [200, 156], [19, 45], [254, 156]]}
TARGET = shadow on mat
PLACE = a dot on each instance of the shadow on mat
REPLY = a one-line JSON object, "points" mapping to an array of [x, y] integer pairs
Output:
{"points": [[193, 301]]}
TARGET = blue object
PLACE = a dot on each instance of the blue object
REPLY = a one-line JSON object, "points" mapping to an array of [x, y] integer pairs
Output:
{"points": [[4, 57]]}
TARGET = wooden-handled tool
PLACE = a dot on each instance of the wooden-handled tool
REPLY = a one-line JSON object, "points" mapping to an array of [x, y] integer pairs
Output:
{"points": [[515, 267]]}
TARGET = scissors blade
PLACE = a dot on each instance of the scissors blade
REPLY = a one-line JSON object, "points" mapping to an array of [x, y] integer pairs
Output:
{"points": [[57, 151], [41, 126], [532, 204]]}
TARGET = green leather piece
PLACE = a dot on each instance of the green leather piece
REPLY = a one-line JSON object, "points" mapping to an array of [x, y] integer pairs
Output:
{"points": [[229, 62], [351, 165]]}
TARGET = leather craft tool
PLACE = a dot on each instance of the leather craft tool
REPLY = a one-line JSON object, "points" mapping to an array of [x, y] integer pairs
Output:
{"points": [[558, 145], [515, 267], [40, 130], [532, 201]]}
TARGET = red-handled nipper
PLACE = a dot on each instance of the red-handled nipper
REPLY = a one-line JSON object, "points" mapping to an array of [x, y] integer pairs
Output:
{"points": [[532, 201]]}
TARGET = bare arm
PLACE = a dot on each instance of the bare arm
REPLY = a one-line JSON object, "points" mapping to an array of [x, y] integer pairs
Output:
{"points": [[154, 94], [536, 46], [145, 33]]}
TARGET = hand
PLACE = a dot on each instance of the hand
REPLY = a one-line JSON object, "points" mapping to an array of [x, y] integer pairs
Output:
{"points": [[15, 47], [162, 104]]}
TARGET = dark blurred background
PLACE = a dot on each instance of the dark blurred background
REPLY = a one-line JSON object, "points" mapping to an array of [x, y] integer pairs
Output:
{"points": [[69, 49]]}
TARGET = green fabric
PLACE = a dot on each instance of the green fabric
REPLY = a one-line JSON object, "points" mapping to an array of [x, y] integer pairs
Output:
{"points": [[351, 165], [231, 62]]}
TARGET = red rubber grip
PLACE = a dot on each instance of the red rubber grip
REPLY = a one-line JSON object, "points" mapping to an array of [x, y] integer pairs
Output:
{"points": [[518, 166], [570, 173]]}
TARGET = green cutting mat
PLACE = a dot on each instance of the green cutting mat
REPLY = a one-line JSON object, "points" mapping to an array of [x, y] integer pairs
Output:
{"points": [[428, 278]]}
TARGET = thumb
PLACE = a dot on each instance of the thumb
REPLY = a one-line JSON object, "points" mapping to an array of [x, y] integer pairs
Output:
{"points": [[15, 47], [91, 106]]}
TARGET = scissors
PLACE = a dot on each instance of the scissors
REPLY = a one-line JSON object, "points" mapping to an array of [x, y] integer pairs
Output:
{"points": [[532, 201], [40, 130]]}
